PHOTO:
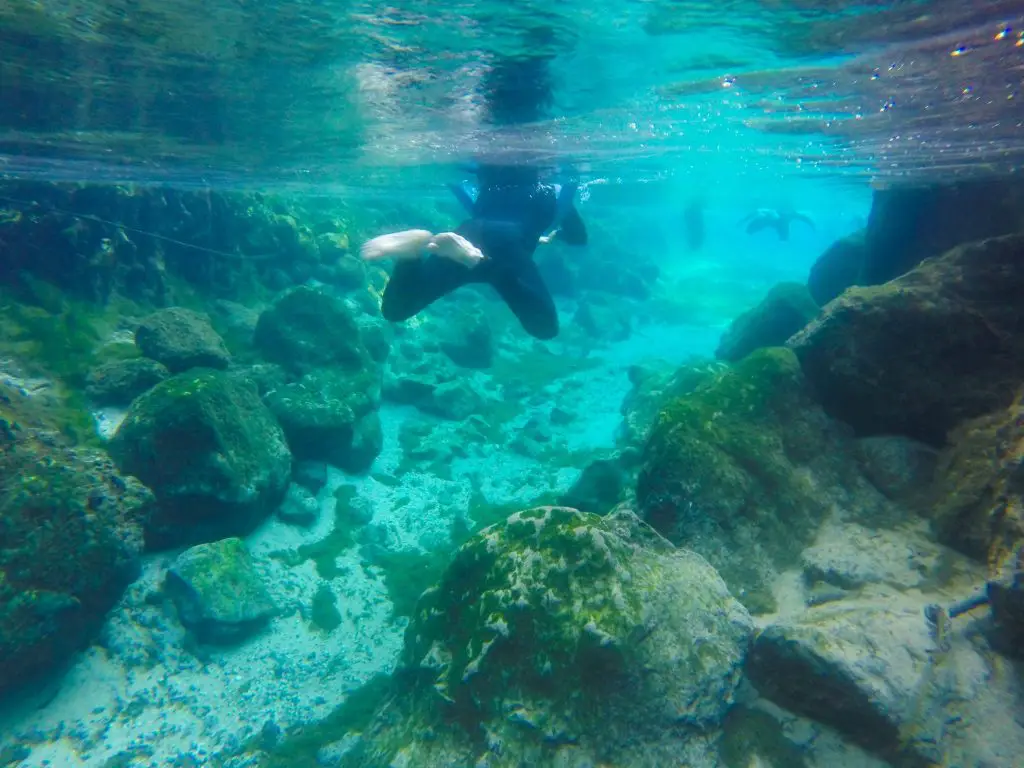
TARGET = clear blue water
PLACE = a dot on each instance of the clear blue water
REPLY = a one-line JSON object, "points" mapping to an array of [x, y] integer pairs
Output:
{"points": [[345, 94], [362, 112]]}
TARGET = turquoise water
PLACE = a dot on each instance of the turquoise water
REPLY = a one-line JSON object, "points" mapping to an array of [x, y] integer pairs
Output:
{"points": [[759, 576], [342, 94]]}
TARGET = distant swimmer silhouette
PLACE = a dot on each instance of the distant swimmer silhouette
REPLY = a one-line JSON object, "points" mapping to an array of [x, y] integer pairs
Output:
{"points": [[777, 219], [514, 213]]}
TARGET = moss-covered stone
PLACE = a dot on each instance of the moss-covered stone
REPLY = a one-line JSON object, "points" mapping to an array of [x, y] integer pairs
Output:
{"points": [[329, 415], [45, 334], [559, 628], [217, 592], [786, 309], [121, 381], [181, 339], [651, 387], [924, 352], [300, 507], [977, 501], [212, 453], [838, 268], [726, 471], [307, 328], [70, 538]]}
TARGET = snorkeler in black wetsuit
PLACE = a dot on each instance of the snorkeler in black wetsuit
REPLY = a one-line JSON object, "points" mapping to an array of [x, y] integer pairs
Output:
{"points": [[507, 221], [511, 214]]}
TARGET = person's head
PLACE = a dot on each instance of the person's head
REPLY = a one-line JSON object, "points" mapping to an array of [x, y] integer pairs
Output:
{"points": [[517, 90]]}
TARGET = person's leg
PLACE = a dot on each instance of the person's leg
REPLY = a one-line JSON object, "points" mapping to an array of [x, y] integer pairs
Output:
{"points": [[408, 244], [522, 288], [509, 268], [415, 285]]}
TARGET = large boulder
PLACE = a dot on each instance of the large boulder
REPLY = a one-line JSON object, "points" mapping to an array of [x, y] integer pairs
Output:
{"points": [[837, 268], [977, 502], [744, 468], [212, 453], [926, 351], [181, 339], [900, 467], [70, 540], [307, 328], [786, 309], [331, 415], [651, 386], [908, 225], [871, 669], [121, 381], [562, 638]]}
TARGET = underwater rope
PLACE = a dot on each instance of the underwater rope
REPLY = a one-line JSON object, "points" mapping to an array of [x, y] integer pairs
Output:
{"points": [[89, 217]]}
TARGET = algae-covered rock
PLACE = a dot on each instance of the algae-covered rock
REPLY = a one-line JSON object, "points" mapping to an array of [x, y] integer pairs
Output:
{"points": [[900, 467], [307, 328], [212, 453], [837, 268], [181, 339], [786, 309], [121, 381], [70, 539], [455, 400], [741, 469], [561, 634], [217, 592], [330, 415], [870, 669], [977, 502], [924, 352], [651, 387]]}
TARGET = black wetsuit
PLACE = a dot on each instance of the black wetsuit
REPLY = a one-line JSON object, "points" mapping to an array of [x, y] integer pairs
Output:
{"points": [[511, 213]]}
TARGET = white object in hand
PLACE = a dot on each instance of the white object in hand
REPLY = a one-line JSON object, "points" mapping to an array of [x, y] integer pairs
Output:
{"points": [[398, 245], [453, 246]]}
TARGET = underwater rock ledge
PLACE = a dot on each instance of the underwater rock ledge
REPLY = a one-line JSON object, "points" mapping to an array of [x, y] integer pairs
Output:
{"points": [[922, 353]]}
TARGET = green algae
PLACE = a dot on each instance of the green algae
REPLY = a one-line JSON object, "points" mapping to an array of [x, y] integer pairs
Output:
{"points": [[53, 337], [751, 735], [325, 552], [727, 457], [299, 748], [407, 573], [531, 612], [325, 613]]}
